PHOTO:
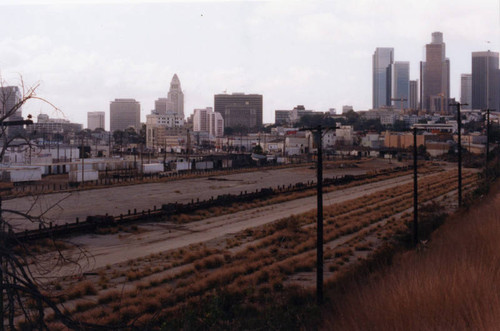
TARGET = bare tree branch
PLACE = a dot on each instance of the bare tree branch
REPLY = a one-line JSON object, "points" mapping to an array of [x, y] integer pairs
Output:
{"points": [[23, 274]]}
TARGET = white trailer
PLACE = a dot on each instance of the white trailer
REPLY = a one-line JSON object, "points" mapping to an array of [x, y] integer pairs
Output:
{"points": [[152, 168], [22, 174], [88, 175], [182, 165], [204, 165]]}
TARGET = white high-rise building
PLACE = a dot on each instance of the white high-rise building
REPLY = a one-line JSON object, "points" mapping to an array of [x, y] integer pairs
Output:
{"points": [[206, 120], [95, 119], [200, 119], [175, 102], [216, 127]]}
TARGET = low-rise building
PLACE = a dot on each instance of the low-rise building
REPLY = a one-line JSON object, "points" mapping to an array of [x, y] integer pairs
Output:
{"points": [[297, 143], [157, 126], [402, 140], [345, 134], [371, 140]]}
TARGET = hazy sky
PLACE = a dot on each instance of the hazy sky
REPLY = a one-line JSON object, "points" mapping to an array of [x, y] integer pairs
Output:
{"points": [[315, 53]]}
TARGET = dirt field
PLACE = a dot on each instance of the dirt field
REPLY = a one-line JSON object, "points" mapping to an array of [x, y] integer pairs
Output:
{"points": [[167, 262], [61, 208], [159, 237]]}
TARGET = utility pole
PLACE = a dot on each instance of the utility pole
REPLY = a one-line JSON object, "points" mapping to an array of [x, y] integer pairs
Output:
{"points": [[284, 147], [165, 154], [487, 136], [3, 243], [319, 251], [459, 122], [318, 133], [415, 188], [83, 163]]}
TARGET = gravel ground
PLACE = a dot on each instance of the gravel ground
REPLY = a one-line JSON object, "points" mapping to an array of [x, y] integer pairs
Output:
{"points": [[61, 208]]}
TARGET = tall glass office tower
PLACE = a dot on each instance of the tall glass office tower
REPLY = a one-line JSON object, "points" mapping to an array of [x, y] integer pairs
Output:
{"points": [[400, 84], [485, 87], [382, 60]]}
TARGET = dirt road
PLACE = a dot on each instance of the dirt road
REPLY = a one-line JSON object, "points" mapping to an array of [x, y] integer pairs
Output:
{"points": [[110, 249]]}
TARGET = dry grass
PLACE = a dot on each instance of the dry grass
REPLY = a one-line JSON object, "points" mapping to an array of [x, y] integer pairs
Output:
{"points": [[454, 284], [274, 253], [284, 197], [81, 289]]}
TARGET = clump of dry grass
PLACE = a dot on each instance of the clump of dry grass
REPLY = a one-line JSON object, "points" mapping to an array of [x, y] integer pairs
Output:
{"points": [[81, 289], [110, 296], [454, 284], [210, 262]]}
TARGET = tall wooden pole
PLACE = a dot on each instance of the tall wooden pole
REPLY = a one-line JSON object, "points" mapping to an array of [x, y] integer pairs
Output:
{"points": [[3, 228], [487, 136], [319, 250], [459, 121], [415, 189], [318, 135], [83, 163]]}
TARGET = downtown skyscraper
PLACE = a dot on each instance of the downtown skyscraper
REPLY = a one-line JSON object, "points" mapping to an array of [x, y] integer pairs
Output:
{"points": [[239, 109], [175, 97], [466, 91], [400, 84], [485, 80], [435, 76], [174, 103], [383, 58], [123, 114], [413, 99]]}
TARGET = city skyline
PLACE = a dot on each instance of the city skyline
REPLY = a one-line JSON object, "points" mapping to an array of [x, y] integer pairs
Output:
{"points": [[312, 53]]}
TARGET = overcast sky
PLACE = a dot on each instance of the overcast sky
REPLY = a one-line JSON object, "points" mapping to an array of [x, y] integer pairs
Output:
{"points": [[314, 53]]}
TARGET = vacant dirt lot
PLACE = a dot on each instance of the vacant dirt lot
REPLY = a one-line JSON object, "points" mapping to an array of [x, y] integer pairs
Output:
{"points": [[160, 237], [162, 265], [63, 208]]}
